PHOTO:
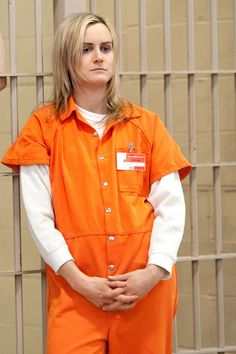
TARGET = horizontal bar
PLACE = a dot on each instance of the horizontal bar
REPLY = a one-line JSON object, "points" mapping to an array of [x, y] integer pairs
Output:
{"points": [[226, 349], [203, 164], [181, 72], [35, 74], [146, 72], [9, 273], [8, 174], [206, 257], [215, 164]]}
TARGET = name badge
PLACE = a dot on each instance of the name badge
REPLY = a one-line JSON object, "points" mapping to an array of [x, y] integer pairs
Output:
{"points": [[130, 161]]}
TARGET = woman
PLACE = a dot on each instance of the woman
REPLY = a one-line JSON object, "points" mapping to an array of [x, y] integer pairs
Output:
{"points": [[101, 186]]}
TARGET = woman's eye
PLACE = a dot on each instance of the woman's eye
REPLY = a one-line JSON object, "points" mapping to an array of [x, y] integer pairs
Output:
{"points": [[106, 49], [86, 50]]}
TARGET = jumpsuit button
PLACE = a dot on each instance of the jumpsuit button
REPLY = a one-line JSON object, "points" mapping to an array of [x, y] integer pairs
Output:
{"points": [[105, 184], [100, 157], [111, 267], [108, 210], [111, 238]]}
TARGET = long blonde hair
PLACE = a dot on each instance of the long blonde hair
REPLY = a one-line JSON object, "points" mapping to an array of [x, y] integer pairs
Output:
{"points": [[67, 51]]}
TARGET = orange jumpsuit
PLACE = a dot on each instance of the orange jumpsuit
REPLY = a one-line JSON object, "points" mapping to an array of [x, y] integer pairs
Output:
{"points": [[88, 212]]}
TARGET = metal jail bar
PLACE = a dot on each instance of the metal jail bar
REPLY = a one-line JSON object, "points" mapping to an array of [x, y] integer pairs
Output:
{"points": [[216, 176], [62, 9], [193, 176], [16, 188], [40, 99]]}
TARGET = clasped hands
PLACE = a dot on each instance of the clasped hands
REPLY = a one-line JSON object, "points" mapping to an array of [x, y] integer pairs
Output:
{"points": [[121, 292]]}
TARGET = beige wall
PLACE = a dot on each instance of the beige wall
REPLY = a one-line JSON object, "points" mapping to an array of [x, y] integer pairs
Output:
{"points": [[205, 197]]}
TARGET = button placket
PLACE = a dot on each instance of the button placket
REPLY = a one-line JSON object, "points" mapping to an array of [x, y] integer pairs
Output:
{"points": [[103, 176], [104, 166]]}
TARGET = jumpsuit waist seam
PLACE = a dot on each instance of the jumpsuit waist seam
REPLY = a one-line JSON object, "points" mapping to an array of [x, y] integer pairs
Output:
{"points": [[71, 236]]}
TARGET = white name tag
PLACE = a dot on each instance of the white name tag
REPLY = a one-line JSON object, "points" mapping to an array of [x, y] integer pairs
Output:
{"points": [[130, 161]]}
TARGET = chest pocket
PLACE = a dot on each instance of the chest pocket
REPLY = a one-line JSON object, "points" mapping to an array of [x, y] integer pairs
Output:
{"points": [[134, 181]]}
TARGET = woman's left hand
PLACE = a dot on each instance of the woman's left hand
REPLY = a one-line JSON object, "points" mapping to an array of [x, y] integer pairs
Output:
{"points": [[138, 282]]}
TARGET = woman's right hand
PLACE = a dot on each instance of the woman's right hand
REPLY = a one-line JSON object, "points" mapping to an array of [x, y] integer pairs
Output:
{"points": [[97, 291]]}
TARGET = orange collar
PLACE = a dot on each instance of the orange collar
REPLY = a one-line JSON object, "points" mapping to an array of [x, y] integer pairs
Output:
{"points": [[69, 109], [129, 112]]}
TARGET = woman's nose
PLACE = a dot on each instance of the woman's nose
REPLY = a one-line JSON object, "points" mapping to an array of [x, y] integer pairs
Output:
{"points": [[98, 55]]}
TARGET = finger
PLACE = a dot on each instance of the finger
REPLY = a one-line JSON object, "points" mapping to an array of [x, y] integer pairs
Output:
{"points": [[112, 307], [116, 283], [113, 293], [118, 307], [100, 303], [106, 303], [126, 299]]}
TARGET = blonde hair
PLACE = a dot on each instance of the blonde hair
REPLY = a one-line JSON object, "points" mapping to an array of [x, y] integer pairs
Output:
{"points": [[67, 51]]}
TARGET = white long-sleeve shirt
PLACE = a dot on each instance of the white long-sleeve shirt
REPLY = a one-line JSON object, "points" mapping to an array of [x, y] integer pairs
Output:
{"points": [[166, 198]]}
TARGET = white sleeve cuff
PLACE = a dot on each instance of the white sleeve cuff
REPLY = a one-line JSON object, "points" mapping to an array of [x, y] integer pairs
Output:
{"points": [[162, 261], [58, 258]]}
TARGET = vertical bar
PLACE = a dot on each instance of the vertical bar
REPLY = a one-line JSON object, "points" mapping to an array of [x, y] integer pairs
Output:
{"points": [[167, 49], [234, 19], [143, 53], [118, 27], [190, 24], [167, 94], [167, 65], [191, 92], [40, 98], [175, 336], [15, 186], [216, 175], [39, 50], [193, 176], [93, 6], [64, 8], [214, 36], [43, 299]]}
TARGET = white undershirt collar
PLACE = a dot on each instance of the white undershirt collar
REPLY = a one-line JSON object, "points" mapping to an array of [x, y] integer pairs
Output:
{"points": [[96, 120], [91, 116]]}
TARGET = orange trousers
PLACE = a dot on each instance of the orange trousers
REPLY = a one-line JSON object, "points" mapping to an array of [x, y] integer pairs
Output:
{"points": [[75, 326]]}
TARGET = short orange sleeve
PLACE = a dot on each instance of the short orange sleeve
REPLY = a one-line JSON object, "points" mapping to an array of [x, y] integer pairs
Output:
{"points": [[29, 148], [166, 155]]}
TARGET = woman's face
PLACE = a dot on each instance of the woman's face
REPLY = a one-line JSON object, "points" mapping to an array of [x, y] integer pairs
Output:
{"points": [[97, 59]]}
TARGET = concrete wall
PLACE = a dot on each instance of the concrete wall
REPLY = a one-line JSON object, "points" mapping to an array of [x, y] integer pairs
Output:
{"points": [[205, 197]]}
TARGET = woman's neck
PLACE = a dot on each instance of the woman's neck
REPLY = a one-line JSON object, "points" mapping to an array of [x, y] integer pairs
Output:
{"points": [[91, 100]]}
